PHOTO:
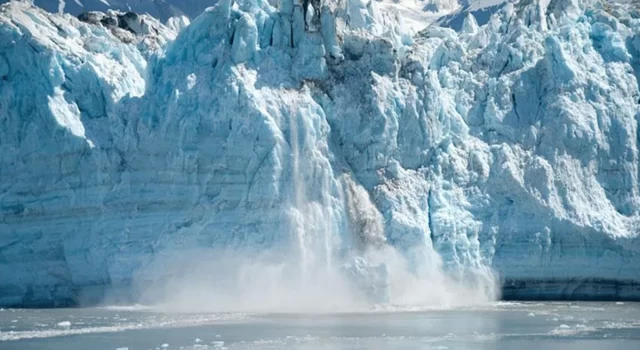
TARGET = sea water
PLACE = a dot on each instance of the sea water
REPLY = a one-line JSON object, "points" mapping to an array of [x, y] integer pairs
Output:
{"points": [[502, 325]]}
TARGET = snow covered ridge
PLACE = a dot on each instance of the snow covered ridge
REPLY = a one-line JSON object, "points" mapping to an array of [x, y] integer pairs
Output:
{"points": [[417, 13], [482, 10], [332, 137], [160, 9]]}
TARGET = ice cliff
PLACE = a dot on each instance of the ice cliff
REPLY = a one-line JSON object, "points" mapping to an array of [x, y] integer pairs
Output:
{"points": [[329, 135]]}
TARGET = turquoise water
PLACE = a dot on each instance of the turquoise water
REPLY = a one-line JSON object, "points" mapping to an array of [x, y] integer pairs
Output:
{"points": [[503, 325]]}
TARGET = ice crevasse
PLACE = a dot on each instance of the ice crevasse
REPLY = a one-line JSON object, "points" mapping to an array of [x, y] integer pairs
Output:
{"points": [[328, 134]]}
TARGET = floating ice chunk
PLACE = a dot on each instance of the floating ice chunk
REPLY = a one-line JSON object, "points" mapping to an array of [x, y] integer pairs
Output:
{"points": [[64, 324], [191, 81]]}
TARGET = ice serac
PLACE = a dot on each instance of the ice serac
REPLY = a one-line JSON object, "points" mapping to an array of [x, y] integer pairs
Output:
{"points": [[333, 137]]}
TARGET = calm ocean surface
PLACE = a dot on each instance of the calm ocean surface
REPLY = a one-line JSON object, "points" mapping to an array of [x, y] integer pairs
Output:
{"points": [[503, 325]]}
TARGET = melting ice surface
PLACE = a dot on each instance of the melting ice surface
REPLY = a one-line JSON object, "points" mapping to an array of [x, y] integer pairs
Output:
{"points": [[267, 157], [581, 325]]}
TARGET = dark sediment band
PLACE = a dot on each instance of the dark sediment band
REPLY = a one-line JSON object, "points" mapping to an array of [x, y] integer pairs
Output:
{"points": [[592, 289]]}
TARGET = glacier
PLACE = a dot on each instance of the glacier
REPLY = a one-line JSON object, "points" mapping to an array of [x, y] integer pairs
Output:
{"points": [[416, 14], [328, 143], [160, 9]]}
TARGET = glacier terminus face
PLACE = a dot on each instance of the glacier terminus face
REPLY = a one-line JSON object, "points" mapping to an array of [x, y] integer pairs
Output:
{"points": [[266, 155]]}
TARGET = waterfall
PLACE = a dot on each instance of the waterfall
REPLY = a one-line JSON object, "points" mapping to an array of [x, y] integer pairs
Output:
{"points": [[299, 197], [314, 217]]}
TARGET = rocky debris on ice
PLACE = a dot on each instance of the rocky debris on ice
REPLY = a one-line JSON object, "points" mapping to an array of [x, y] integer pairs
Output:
{"points": [[129, 21], [131, 27]]}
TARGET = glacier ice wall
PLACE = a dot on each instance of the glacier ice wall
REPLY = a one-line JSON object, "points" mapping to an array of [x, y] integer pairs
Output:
{"points": [[326, 136]]}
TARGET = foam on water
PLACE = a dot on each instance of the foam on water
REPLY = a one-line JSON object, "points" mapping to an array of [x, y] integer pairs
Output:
{"points": [[145, 322]]}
